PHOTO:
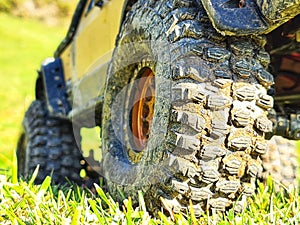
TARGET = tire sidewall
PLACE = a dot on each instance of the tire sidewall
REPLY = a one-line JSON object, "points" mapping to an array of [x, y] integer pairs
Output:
{"points": [[137, 47], [22, 154]]}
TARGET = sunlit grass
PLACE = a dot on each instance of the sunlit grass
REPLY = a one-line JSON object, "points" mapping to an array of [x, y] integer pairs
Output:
{"points": [[24, 44], [25, 203]]}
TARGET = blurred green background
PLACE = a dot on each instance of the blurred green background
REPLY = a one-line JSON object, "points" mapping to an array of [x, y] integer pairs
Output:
{"points": [[30, 31]]}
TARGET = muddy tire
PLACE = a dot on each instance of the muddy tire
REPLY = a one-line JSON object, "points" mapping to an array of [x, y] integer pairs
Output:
{"points": [[49, 143], [206, 136], [281, 162]]}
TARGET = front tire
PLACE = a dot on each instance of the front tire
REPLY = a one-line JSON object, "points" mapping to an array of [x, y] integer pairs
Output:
{"points": [[209, 116]]}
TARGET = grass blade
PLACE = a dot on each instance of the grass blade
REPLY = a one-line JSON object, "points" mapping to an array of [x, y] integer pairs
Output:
{"points": [[14, 172], [34, 175]]}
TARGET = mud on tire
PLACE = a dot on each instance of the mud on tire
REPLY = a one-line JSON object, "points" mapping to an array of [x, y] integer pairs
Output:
{"points": [[48, 142], [210, 112]]}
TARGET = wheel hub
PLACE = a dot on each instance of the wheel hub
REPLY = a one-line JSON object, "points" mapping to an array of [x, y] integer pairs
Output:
{"points": [[143, 108]]}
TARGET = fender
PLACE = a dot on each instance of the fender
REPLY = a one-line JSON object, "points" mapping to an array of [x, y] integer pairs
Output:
{"points": [[55, 93], [245, 17]]}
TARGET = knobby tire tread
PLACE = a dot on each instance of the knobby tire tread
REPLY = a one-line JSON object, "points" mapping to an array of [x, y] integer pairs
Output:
{"points": [[218, 111], [50, 143]]}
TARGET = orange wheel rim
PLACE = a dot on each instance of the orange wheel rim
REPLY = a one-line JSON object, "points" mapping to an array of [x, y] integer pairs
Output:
{"points": [[143, 109]]}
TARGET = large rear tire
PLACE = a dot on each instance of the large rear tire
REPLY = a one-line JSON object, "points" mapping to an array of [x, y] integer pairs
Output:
{"points": [[50, 143], [208, 118], [281, 162]]}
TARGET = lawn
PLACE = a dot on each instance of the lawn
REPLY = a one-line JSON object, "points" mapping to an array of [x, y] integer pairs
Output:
{"points": [[25, 203], [24, 44]]}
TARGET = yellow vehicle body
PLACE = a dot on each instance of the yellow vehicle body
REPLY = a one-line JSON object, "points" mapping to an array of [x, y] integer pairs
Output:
{"points": [[94, 39]]}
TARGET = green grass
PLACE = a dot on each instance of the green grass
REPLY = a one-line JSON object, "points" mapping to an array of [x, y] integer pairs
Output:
{"points": [[24, 44], [25, 203]]}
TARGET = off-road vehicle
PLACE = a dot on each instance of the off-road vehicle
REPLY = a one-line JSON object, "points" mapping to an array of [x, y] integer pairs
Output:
{"points": [[183, 93]]}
